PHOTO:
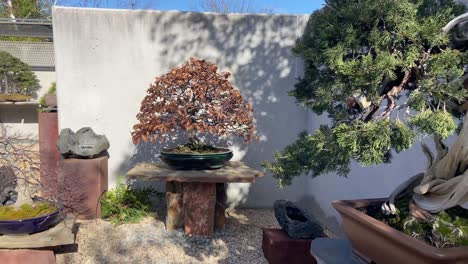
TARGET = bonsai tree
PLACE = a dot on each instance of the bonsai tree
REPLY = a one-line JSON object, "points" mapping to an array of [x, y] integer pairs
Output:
{"points": [[387, 76], [16, 77], [194, 98], [23, 161]]}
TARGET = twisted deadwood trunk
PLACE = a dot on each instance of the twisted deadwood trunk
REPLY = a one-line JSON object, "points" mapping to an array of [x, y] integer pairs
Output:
{"points": [[445, 182]]}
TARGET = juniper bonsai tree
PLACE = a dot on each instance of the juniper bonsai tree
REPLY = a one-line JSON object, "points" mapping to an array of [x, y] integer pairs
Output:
{"points": [[387, 76], [16, 76], [197, 99]]}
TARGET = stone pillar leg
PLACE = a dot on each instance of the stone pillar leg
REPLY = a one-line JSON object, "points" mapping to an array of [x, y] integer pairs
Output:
{"points": [[175, 205], [220, 208], [199, 208]]}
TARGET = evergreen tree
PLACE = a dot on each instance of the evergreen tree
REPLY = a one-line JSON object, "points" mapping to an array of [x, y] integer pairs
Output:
{"points": [[385, 73], [26, 8], [16, 76]]}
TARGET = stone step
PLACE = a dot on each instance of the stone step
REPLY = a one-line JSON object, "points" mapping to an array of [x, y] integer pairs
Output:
{"points": [[335, 251]]}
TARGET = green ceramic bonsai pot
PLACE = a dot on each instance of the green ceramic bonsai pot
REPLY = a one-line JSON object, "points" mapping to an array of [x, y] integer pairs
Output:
{"points": [[196, 161]]}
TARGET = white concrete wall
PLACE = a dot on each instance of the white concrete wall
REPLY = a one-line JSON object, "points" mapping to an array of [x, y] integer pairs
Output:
{"points": [[23, 118], [105, 60]]}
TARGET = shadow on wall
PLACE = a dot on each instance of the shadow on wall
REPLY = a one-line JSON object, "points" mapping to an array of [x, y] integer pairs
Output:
{"points": [[257, 51]]}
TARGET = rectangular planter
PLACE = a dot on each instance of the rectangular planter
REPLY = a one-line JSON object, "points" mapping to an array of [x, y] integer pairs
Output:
{"points": [[386, 245]]}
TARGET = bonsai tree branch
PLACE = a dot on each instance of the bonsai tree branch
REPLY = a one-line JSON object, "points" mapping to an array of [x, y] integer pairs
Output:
{"points": [[21, 157]]}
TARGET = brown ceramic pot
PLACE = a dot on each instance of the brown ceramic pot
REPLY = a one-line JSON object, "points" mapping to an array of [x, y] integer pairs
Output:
{"points": [[50, 100], [386, 245]]}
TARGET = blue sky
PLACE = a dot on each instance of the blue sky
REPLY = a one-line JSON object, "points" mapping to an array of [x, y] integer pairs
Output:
{"points": [[277, 6]]}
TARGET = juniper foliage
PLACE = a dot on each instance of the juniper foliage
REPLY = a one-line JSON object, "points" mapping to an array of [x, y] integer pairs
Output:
{"points": [[386, 75]]}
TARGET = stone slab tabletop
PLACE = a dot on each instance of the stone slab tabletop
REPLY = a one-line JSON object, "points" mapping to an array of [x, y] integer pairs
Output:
{"points": [[233, 172], [61, 234]]}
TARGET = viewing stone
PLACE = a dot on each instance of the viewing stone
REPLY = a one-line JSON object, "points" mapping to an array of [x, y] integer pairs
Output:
{"points": [[296, 222], [84, 143]]}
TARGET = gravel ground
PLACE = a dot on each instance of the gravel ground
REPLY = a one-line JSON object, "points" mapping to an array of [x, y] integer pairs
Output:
{"points": [[148, 242]]}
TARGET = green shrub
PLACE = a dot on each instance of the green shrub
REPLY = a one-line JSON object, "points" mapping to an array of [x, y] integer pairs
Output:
{"points": [[124, 204], [16, 76]]}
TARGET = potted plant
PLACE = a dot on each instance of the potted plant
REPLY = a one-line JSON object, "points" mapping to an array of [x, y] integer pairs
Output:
{"points": [[50, 98], [17, 81], [20, 212], [387, 75], [48, 101], [197, 100]]}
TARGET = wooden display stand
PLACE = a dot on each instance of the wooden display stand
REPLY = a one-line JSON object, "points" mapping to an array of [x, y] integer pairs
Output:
{"points": [[196, 199], [81, 183]]}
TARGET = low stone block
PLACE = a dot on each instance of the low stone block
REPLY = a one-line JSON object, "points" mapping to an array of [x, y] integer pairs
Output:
{"points": [[279, 248], [199, 208], [27, 256], [81, 182]]}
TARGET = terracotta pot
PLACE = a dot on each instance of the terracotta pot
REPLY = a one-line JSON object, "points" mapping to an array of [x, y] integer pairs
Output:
{"points": [[51, 100], [386, 245]]}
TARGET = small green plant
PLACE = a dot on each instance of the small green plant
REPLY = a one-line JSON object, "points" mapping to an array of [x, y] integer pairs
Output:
{"points": [[42, 102], [125, 204]]}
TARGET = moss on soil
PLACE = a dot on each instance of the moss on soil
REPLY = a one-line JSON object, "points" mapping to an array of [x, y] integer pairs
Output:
{"points": [[195, 149], [26, 211], [448, 228]]}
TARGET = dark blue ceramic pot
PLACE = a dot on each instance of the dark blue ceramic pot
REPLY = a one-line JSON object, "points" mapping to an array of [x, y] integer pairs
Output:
{"points": [[32, 225], [207, 161]]}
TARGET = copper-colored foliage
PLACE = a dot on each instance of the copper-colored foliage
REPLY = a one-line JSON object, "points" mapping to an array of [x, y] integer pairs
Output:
{"points": [[193, 97]]}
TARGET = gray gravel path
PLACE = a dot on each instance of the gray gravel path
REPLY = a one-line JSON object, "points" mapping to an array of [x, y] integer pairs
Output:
{"points": [[148, 242]]}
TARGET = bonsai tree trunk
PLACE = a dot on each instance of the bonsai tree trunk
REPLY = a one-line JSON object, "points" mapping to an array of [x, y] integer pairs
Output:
{"points": [[445, 182], [24, 193]]}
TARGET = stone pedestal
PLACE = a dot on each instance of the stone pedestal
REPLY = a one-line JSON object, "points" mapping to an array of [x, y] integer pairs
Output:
{"points": [[199, 208], [49, 154], [335, 251], [278, 248], [220, 208], [81, 183], [195, 199], [175, 205], [27, 256]]}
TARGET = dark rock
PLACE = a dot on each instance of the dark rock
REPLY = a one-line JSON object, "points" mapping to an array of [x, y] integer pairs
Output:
{"points": [[298, 223], [8, 194], [82, 144]]}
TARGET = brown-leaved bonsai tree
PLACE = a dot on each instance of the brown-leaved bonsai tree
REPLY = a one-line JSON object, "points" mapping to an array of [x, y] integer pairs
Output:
{"points": [[197, 99]]}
